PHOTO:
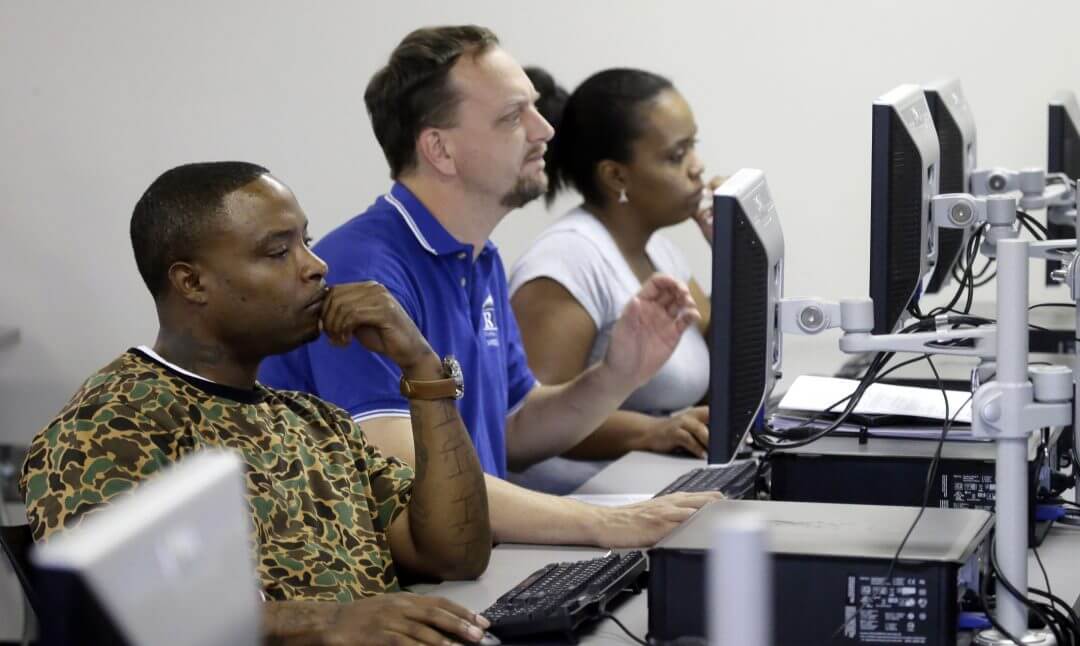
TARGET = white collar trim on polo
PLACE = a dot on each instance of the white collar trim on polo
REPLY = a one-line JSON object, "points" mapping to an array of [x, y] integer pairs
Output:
{"points": [[411, 223]]}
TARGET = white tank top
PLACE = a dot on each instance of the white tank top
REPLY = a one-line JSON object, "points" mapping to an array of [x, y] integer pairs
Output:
{"points": [[578, 253]]}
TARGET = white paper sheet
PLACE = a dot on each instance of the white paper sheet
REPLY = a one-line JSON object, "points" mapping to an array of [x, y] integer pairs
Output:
{"points": [[810, 393]]}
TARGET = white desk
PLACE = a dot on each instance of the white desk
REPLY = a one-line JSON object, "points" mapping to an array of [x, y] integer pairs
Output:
{"points": [[640, 472], [512, 563]]}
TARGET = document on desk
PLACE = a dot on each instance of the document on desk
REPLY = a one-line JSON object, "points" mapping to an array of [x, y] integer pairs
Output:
{"points": [[815, 394], [781, 421]]}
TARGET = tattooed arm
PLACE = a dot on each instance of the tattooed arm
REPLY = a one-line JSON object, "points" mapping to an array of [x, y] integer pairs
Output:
{"points": [[445, 532]]}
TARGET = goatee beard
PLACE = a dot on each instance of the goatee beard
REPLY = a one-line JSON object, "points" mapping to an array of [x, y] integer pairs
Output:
{"points": [[526, 190]]}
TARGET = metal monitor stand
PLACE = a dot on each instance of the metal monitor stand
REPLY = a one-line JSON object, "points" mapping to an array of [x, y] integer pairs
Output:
{"points": [[1019, 401]]}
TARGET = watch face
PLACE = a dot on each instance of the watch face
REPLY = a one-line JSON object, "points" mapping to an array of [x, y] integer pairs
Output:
{"points": [[453, 371]]}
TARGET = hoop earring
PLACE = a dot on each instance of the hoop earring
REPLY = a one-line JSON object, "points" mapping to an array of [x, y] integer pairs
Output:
{"points": [[622, 196]]}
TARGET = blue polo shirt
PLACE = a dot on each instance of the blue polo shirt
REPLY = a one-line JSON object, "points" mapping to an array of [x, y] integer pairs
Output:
{"points": [[460, 305]]}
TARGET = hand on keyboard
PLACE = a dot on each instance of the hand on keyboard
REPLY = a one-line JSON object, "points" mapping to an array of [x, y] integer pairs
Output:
{"points": [[394, 617], [559, 597], [685, 431], [642, 524]]}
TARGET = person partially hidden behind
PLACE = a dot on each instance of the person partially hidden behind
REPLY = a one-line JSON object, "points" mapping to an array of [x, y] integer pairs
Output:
{"points": [[625, 141], [223, 248]]}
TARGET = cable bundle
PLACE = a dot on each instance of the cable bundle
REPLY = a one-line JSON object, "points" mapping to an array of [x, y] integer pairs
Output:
{"points": [[1054, 613]]}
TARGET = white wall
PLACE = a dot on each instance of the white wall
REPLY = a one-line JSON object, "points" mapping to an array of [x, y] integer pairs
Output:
{"points": [[97, 98]]}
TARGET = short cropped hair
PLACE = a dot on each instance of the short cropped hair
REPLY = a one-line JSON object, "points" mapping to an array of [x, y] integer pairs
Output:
{"points": [[177, 211], [413, 91]]}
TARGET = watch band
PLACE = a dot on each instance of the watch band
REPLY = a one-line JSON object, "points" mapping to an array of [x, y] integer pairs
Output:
{"points": [[451, 387], [429, 389]]}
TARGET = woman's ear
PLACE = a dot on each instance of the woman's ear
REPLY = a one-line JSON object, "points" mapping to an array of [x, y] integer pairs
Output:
{"points": [[612, 179]]}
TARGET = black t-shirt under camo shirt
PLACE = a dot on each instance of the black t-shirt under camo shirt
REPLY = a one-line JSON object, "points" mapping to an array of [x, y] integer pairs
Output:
{"points": [[321, 498]]}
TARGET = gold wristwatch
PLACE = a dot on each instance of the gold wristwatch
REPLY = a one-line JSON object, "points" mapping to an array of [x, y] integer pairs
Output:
{"points": [[452, 386]]}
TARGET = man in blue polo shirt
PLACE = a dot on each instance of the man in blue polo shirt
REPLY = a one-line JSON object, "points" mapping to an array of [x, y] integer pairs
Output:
{"points": [[455, 117]]}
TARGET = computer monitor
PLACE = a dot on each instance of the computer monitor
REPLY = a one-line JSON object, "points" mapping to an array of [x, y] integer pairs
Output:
{"points": [[955, 127], [1062, 156], [170, 564], [747, 282], [904, 177]]}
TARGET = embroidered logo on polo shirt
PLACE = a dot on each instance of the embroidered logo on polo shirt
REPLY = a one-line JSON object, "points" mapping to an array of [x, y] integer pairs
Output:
{"points": [[490, 328]]}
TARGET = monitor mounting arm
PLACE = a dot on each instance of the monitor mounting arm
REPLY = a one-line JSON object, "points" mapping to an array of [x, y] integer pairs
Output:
{"points": [[1038, 189], [964, 211], [856, 318]]}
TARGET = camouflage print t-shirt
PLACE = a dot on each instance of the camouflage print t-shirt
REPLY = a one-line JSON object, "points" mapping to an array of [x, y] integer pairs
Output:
{"points": [[321, 498]]}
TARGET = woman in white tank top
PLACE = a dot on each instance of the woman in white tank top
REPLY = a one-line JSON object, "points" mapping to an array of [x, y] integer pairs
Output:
{"points": [[625, 141]]}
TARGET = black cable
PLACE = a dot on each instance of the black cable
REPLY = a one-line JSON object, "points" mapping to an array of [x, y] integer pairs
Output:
{"points": [[1058, 601], [1068, 623], [907, 362], [1046, 577], [973, 252], [965, 279], [1024, 215], [1062, 620], [986, 267], [1030, 605], [1038, 305], [626, 630], [927, 487], [809, 432], [1030, 229], [809, 422], [768, 439], [984, 591], [986, 281], [1035, 228]]}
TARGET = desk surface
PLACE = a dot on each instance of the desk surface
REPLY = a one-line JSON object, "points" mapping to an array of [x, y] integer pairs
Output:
{"points": [[640, 472]]}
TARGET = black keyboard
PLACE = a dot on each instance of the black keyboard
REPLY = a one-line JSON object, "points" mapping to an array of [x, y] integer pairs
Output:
{"points": [[734, 480], [559, 597]]}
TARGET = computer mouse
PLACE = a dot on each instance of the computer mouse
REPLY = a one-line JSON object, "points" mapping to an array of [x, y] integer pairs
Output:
{"points": [[489, 640]]}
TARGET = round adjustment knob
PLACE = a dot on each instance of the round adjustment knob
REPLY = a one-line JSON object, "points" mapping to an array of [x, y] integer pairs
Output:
{"points": [[811, 318], [961, 214]]}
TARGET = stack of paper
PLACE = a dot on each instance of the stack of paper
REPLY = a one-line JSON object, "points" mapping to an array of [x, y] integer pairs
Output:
{"points": [[884, 409]]}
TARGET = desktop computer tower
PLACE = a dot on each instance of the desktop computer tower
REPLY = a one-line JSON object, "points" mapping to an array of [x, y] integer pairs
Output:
{"points": [[892, 471], [830, 569]]}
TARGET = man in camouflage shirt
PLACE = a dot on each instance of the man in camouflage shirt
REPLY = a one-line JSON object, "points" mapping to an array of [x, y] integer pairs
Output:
{"points": [[223, 249]]}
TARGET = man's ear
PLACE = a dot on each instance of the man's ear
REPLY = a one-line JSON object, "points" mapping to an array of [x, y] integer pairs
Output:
{"points": [[435, 147], [612, 178], [187, 281]]}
